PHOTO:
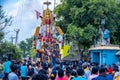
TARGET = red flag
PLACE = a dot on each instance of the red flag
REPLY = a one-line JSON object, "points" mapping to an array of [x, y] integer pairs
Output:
{"points": [[37, 14]]}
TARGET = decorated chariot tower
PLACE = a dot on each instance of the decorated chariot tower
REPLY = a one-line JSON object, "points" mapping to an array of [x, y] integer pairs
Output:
{"points": [[48, 38]]}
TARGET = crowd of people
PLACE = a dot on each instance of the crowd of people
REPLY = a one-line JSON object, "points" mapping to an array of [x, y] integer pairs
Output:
{"points": [[64, 70]]}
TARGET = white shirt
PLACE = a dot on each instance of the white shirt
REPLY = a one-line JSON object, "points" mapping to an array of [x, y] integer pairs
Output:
{"points": [[12, 76], [92, 76]]}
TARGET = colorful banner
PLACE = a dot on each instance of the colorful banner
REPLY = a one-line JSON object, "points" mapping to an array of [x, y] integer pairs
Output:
{"points": [[65, 51]]}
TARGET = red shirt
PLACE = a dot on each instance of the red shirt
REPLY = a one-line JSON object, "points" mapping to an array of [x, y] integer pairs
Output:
{"points": [[66, 78], [28, 68], [110, 70], [59, 78]]}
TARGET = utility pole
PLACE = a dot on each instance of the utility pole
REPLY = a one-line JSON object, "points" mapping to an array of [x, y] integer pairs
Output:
{"points": [[17, 32], [11, 50], [12, 38], [54, 4]]}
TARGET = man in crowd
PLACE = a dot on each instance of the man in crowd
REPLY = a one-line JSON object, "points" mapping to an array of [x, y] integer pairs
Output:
{"points": [[94, 73], [80, 73], [102, 74], [6, 68], [24, 71], [12, 75]]}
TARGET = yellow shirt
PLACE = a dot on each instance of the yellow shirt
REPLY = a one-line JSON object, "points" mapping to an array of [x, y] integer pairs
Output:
{"points": [[117, 78]]}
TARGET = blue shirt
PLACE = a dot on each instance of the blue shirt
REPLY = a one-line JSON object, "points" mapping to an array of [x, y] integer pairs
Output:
{"points": [[12, 76], [100, 77], [7, 67], [79, 78], [24, 71], [109, 77], [106, 34]]}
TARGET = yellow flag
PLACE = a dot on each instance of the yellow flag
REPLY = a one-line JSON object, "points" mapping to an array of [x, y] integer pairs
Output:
{"points": [[60, 30], [65, 51], [35, 51], [37, 31]]}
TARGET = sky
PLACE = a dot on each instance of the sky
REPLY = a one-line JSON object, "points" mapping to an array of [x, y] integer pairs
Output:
{"points": [[24, 16]]}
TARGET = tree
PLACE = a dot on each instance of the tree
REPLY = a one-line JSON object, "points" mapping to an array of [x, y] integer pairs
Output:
{"points": [[7, 48], [83, 13], [26, 46], [22, 45], [4, 20], [81, 18]]}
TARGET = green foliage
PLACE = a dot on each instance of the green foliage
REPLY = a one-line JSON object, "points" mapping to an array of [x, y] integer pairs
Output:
{"points": [[26, 46], [73, 32], [22, 45], [18, 54], [84, 36], [7, 48], [32, 54], [81, 19], [1, 36]]}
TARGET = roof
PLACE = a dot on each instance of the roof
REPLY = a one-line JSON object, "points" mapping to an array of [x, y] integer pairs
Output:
{"points": [[108, 47]]}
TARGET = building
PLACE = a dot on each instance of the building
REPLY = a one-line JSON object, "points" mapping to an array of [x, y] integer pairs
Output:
{"points": [[105, 54]]}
